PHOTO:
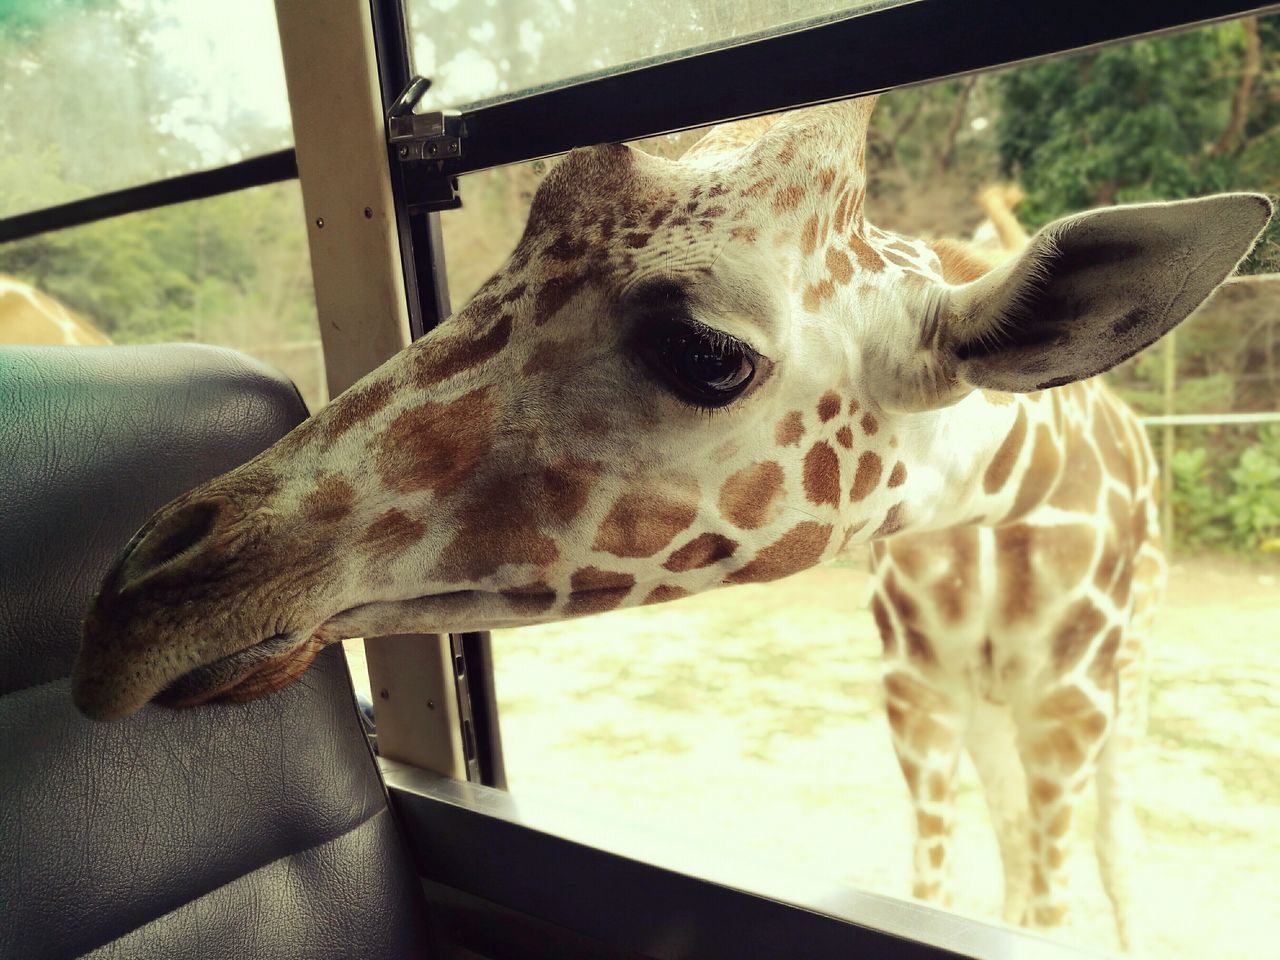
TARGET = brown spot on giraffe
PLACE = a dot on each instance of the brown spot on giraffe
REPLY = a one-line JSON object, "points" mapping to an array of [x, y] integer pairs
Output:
{"points": [[910, 772], [788, 198], [826, 177], [1001, 467], [839, 265], [702, 551], [566, 248], [930, 824], [884, 625], [1081, 480], [332, 500], [1108, 434], [547, 356], [664, 592], [1044, 792], [895, 258], [436, 446], [867, 477], [487, 538], [393, 531], [759, 187], [1063, 703], [531, 598], [816, 294], [844, 437], [798, 549], [747, 497], [937, 788], [1077, 627], [918, 647], [869, 424], [642, 522], [1040, 476], [554, 294], [353, 408], [789, 430], [593, 590], [562, 489], [1015, 573], [828, 405], [898, 475], [822, 474], [849, 533], [894, 520], [867, 258], [1060, 824], [809, 236]]}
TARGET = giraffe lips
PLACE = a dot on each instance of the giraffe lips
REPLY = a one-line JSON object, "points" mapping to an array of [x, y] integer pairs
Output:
{"points": [[247, 675]]}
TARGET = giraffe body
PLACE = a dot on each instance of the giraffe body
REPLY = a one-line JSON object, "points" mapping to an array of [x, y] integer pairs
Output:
{"points": [[690, 374], [29, 316], [1024, 642]]}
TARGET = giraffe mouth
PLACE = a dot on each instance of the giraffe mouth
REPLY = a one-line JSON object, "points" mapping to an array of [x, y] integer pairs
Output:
{"points": [[246, 675]]}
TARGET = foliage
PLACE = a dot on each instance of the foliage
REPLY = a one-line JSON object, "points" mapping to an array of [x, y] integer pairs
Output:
{"points": [[1199, 510], [1159, 119], [1254, 503], [1236, 506]]}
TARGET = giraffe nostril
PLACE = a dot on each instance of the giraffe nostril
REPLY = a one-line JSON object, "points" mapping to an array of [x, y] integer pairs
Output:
{"points": [[174, 535]]}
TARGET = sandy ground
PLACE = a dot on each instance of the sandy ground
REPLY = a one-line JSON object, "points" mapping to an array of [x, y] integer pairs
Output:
{"points": [[752, 718]]}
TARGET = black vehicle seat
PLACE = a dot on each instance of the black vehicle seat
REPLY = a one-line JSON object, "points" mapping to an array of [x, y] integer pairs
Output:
{"points": [[249, 831]]}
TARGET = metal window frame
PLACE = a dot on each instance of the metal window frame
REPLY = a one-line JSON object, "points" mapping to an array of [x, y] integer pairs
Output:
{"points": [[506, 877], [915, 42]]}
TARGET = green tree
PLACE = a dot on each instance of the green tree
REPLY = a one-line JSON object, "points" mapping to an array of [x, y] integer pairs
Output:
{"points": [[1159, 119]]}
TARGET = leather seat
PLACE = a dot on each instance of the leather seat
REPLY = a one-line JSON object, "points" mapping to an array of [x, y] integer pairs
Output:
{"points": [[245, 831]]}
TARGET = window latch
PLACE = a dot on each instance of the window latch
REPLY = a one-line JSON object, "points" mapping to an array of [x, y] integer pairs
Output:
{"points": [[423, 142]]}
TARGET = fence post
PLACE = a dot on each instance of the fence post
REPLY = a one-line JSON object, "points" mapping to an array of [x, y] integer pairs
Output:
{"points": [[1166, 446]]}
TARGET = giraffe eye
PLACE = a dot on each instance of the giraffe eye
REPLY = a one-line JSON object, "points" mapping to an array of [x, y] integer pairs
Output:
{"points": [[703, 366]]}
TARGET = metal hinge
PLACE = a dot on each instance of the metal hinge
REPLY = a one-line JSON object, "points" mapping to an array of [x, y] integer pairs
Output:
{"points": [[426, 141]]}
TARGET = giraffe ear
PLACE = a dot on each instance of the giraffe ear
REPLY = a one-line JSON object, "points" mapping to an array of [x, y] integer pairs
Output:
{"points": [[1091, 290]]}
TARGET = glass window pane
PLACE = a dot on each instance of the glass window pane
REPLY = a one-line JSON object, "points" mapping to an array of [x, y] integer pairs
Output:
{"points": [[488, 50], [232, 271], [753, 717], [96, 95]]}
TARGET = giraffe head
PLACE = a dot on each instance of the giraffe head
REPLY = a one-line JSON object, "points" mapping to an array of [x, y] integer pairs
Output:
{"points": [[688, 374]]}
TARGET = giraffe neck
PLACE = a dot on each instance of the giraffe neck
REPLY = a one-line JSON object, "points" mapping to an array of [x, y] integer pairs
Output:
{"points": [[992, 458]]}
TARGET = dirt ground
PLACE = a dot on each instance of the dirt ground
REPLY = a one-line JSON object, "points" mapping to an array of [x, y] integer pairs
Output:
{"points": [[751, 719]]}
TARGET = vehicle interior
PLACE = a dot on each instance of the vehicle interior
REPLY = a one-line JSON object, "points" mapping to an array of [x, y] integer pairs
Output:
{"points": [[373, 817]]}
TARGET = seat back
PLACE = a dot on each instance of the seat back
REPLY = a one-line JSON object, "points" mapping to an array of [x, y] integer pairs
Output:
{"points": [[252, 830]]}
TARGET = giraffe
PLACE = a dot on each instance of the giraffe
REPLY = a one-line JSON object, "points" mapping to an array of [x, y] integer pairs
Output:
{"points": [[690, 373], [29, 316], [1025, 643]]}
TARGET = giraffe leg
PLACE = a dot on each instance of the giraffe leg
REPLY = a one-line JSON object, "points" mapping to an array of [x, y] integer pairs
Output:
{"points": [[1059, 743], [991, 740], [926, 738], [1119, 837]]}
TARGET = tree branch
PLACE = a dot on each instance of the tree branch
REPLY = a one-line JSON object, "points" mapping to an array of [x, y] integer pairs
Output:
{"points": [[1248, 74], [947, 153]]}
